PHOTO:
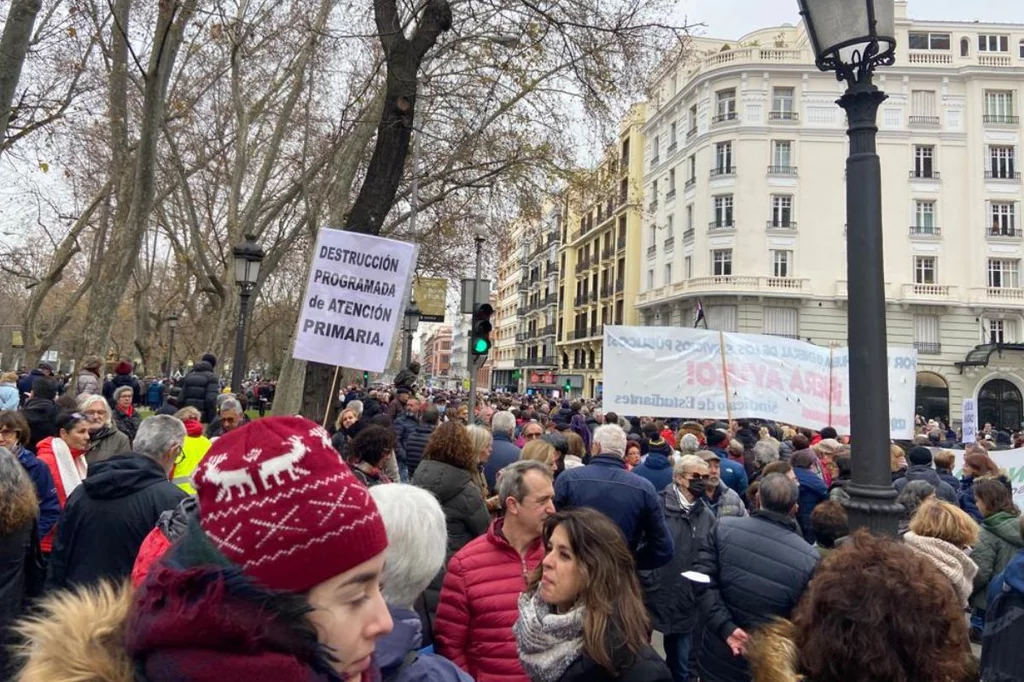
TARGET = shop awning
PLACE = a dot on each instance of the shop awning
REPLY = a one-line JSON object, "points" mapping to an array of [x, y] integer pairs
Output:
{"points": [[980, 355]]}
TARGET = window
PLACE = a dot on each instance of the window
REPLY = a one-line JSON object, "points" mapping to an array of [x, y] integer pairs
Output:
{"points": [[782, 155], [721, 262], [989, 43], [998, 331], [782, 322], [668, 274], [654, 192], [782, 210], [692, 175], [688, 267], [670, 222], [723, 211], [924, 217], [1020, 50], [725, 105], [924, 161], [1003, 273], [782, 103], [926, 334], [721, 317], [998, 106], [672, 135], [671, 191], [650, 278], [924, 270], [922, 107], [654, 237], [1000, 162], [654, 150], [1003, 223], [689, 218], [928, 41], [723, 158], [782, 263], [965, 47], [693, 121]]}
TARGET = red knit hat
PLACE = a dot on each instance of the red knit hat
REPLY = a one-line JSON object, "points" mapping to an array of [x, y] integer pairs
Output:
{"points": [[278, 501]]}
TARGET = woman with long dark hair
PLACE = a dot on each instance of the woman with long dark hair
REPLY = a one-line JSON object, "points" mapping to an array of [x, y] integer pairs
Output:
{"points": [[582, 618], [978, 466]]}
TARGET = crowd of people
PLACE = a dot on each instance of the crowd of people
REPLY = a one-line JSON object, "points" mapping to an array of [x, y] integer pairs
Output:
{"points": [[533, 540]]}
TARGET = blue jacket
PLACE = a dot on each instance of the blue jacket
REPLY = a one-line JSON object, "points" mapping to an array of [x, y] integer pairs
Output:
{"points": [[394, 650], [10, 399], [733, 473], [627, 499], [656, 469], [46, 490], [503, 453], [25, 382], [966, 495], [812, 492]]}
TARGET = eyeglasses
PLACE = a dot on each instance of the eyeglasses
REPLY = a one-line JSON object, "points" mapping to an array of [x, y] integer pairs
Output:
{"points": [[180, 457], [698, 477], [531, 436]]}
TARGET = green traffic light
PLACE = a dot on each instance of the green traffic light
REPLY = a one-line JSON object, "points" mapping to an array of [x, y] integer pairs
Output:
{"points": [[481, 346]]}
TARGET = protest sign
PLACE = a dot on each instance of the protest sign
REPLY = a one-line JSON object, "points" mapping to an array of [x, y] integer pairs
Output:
{"points": [[1012, 464], [970, 420], [354, 299], [683, 372]]}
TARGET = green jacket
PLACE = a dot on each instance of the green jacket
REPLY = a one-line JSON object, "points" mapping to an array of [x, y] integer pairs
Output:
{"points": [[999, 540]]}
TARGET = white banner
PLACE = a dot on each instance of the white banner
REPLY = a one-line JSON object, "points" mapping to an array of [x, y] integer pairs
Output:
{"points": [[682, 372], [969, 416], [1012, 461], [354, 299]]}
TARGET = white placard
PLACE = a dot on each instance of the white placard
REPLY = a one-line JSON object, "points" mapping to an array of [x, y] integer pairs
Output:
{"points": [[681, 372], [354, 299], [969, 416], [1012, 464]]}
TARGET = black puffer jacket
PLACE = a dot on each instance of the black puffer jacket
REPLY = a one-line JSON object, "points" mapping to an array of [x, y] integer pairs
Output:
{"points": [[759, 567], [199, 389], [415, 443], [669, 597], [648, 667]]}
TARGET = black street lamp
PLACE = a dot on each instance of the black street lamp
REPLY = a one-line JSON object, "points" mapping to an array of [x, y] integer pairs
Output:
{"points": [[412, 321], [852, 37], [172, 324], [248, 256]]}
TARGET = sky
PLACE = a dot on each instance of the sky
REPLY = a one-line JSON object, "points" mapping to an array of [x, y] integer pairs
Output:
{"points": [[731, 19]]}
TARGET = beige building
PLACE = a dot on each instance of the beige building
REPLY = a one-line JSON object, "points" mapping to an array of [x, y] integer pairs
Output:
{"points": [[504, 374], [600, 257], [744, 163]]}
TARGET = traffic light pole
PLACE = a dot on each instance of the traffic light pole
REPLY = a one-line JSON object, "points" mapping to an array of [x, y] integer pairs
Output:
{"points": [[470, 358]]}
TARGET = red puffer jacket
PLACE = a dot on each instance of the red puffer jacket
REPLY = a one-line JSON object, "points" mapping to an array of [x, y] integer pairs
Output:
{"points": [[478, 606]]}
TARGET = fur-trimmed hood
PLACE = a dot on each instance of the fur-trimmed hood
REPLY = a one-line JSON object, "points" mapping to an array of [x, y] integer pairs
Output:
{"points": [[78, 637], [772, 654]]}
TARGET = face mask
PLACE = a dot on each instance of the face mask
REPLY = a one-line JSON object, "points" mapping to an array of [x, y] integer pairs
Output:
{"points": [[698, 486]]}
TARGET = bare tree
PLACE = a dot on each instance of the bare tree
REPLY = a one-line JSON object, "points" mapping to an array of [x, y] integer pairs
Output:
{"points": [[14, 42]]}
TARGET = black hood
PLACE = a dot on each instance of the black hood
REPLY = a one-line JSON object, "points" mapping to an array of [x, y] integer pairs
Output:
{"points": [[202, 366], [42, 406], [122, 476]]}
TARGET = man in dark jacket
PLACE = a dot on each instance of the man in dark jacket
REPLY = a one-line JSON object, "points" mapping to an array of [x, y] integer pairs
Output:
{"points": [[755, 568], [669, 597], [920, 459], [118, 504], [405, 423], [627, 499], [656, 467], [200, 387], [416, 439], [733, 473], [41, 411], [26, 382], [503, 450]]}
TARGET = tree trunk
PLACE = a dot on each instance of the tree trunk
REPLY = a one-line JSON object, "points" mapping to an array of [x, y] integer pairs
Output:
{"points": [[14, 45]]}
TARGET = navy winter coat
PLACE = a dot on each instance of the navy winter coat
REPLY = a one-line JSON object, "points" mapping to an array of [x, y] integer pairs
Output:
{"points": [[398, 664], [657, 469], [503, 453], [415, 443], [733, 474], [924, 472], [813, 492], [627, 499], [46, 490]]}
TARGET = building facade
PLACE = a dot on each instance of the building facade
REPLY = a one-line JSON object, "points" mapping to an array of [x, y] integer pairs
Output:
{"points": [[437, 356], [537, 294], [745, 191], [505, 376], [600, 258]]}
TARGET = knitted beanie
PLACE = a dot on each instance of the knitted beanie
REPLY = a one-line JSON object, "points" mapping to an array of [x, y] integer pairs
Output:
{"points": [[278, 501]]}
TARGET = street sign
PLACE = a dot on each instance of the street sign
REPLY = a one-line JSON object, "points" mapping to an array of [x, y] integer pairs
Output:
{"points": [[469, 302], [431, 295]]}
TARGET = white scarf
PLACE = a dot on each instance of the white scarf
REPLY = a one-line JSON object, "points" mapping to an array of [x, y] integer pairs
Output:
{"points": [[547, 642], [951, 561], [70, 469]]}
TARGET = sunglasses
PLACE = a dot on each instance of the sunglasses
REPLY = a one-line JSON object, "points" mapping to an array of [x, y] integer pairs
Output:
{"points": [[699, 477]]}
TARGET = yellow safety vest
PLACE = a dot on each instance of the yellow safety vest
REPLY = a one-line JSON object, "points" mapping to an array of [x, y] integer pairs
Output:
{"points": [[194, 449]]}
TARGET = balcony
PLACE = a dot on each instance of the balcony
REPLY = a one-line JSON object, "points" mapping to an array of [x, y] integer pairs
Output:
{"points": [[764, 286], [607, 290], [925, 231], [930, 57], [619, 286], [923, 121], [1007, 175], [620, 244], [728, 116], [782, 115], [781, 170], [1000, 119], [994, 60], [927, 348], [651, 250], [522, 312], [655, 160], [582, 265], [688, 234], [1000, 232], [672, 147], [576, 235], [671, 194], [653, 206], [607, 252], [722, 172], [927, 291], [691, 133], [788, 283], [549, 330], [580, 300], [669, 243], [522, 337], [550, 299], [1001, 295], [593, 296], [596, 330], [924, 174], [781, 225], [720, 226], [523, 285]]}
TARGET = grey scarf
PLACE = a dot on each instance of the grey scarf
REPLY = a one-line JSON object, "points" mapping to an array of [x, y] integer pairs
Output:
{"points": [[547, 642]]}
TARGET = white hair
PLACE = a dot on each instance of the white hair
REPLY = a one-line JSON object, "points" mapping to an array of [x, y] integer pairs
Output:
{"points": [[417, 540], [689, 444], [231, 405], [356, 406], [766, 451], [503, 422], [687, 463], [86, 400], [121, 390], [157, 435], [611, 438]]}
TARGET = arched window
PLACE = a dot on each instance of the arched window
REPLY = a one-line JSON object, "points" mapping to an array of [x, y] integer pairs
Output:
{"points": [[965, 47], [1000, 404]]}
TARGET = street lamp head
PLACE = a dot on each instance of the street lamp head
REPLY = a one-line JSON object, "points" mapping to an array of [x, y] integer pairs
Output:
{"points": [[172, 321], [480, 231], [851, 37], [412, 316], [248, 256]]}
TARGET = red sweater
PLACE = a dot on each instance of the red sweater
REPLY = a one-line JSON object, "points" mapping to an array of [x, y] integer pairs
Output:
{"points": [[479, 606]]}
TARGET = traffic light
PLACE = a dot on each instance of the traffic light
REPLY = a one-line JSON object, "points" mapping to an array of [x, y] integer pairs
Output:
{"points": [[568, 387], [366, 379], [480, 335]]}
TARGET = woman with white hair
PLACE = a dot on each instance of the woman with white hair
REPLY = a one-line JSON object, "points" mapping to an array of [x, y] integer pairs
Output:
{"points": [[417, 535], [125, 417], [105, 440]]}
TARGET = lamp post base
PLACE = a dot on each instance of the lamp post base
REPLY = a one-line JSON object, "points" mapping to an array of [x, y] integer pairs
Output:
{"points": [[874, 508]]}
